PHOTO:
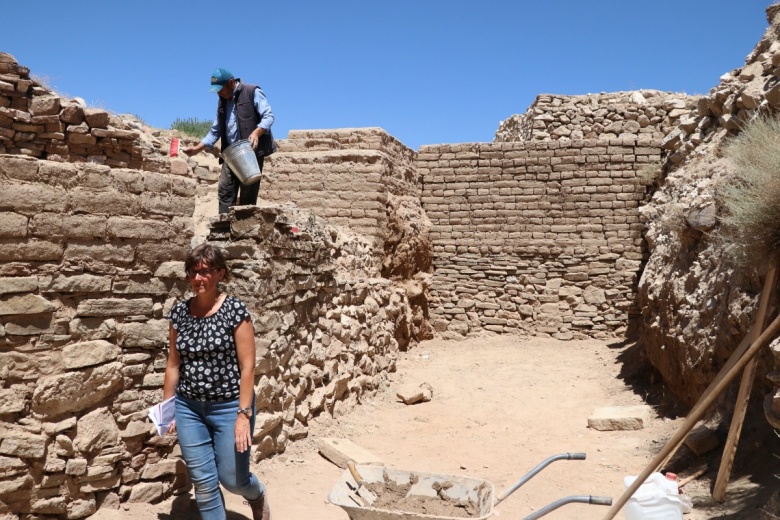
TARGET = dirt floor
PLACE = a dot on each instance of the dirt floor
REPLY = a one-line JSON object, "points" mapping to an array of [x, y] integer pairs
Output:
{"points": [[500, 406]]}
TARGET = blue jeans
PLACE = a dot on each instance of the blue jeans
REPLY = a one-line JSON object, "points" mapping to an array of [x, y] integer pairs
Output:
{"points": [[208, 446]]}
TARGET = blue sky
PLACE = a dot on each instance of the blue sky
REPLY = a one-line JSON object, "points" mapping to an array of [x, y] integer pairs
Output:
{"points": [[427, 71]]}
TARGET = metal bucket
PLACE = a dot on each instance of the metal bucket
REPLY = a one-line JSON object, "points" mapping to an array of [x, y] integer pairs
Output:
{"points": [[241, 159]]}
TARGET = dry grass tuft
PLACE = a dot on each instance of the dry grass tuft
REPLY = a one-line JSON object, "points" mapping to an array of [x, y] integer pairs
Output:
{"points": [[750, 229]]}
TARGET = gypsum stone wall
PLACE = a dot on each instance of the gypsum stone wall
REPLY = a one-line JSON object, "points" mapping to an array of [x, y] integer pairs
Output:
{"points": [[344, 176], [640, 114], [326, 339], [541, 238], [90, 259]]}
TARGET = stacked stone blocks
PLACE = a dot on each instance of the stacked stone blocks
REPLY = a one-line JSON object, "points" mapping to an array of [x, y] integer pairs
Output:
{"points": [[344, 176], [535, 237]]}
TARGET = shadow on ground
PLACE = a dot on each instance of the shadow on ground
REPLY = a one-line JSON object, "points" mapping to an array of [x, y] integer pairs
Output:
{"points": [[752, 493]]}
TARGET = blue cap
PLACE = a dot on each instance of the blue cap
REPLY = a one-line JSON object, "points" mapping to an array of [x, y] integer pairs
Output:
{"points": [[219, 77]]}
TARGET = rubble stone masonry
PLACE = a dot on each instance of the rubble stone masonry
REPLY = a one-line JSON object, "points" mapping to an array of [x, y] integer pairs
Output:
{"points": [[539, 237]]}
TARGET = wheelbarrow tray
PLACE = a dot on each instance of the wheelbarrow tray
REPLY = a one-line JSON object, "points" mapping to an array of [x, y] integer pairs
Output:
{"points": [[343, 494]]}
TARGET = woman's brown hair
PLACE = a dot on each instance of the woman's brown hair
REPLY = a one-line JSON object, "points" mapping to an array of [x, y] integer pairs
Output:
{"points": [[209, 255]]}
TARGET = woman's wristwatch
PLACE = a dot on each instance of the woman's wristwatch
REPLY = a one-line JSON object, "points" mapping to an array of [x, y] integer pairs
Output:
{"points": [[246, 411]]}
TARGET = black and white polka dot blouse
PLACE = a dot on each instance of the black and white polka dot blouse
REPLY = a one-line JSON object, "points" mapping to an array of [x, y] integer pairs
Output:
{"points": [[207, 347]]}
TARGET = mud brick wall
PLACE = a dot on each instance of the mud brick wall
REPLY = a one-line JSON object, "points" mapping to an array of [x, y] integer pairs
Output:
{"points": [[541, 238], [345, 176]]}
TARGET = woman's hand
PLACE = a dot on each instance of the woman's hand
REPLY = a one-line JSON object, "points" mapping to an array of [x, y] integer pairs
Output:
{"points": [[172, 427], [243, 436]]}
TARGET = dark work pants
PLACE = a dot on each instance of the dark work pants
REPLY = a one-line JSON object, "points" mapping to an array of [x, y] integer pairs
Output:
{"points": [[229, 187]]}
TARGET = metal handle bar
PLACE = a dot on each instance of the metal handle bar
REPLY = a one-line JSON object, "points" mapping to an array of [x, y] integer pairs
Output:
{"points": [[582, 499], [528, 476]]}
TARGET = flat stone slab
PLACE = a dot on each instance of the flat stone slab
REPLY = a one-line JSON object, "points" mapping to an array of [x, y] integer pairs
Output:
{"points": [[611, 418], [341, 451]]}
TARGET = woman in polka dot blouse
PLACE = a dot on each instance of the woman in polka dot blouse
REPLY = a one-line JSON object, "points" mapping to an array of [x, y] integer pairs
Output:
{"points": [[210, 370]]}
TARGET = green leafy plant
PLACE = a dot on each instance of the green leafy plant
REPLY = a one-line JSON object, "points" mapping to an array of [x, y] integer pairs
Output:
{"points": [[750, 224], [192, 126]]}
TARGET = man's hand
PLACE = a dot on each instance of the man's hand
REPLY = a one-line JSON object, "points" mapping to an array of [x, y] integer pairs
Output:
{"points": [[254, 137], [192, 150]]}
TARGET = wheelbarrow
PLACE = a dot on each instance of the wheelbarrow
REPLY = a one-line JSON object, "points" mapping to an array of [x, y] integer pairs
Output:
{"points": [[383, 493]]}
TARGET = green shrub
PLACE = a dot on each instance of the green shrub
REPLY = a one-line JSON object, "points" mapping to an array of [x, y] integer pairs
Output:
{"points": [[192, 126], [750, 229]]}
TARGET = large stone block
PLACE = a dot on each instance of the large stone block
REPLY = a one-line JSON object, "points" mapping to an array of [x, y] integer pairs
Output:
{"points": [[80, 283], [75, 391], [144, 229], [45, 105], [18, 442], [27, 304], [611, 418], [170, 270], [30, 325], [30, 198], [18, 284], [21, 168], [112, 254], [151, 334], [107, 307], [29, 250], [96, 118], [165, 205], [72, 114], [95, 431], [13, 400], [106, 202], [146, 492], [89, 353], [10, 466], [12, 225], [157, 253]]}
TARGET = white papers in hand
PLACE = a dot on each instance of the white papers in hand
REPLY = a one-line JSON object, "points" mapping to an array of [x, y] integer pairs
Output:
{"points": [[162, 415]]}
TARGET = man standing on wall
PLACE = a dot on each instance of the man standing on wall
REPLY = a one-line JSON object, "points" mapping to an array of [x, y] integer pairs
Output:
{"points": [[243, 112]]}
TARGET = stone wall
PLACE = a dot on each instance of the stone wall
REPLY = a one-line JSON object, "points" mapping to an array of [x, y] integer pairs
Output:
{"points": [[639, 114], [326, 337], [536, 237], [89, 263], [91, 260], [346, 176], [697, 303]]}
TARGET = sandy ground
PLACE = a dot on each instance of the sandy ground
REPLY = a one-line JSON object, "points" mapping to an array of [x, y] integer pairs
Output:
{"points": [[500, 406]]}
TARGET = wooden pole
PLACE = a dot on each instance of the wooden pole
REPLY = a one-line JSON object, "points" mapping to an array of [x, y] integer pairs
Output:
{"points": [[691, 420], [743, 397], [735, 356], [693, 477], [753, 333]]}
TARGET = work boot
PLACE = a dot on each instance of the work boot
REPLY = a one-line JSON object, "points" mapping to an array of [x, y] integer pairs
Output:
{"points": [[260, 509]]}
